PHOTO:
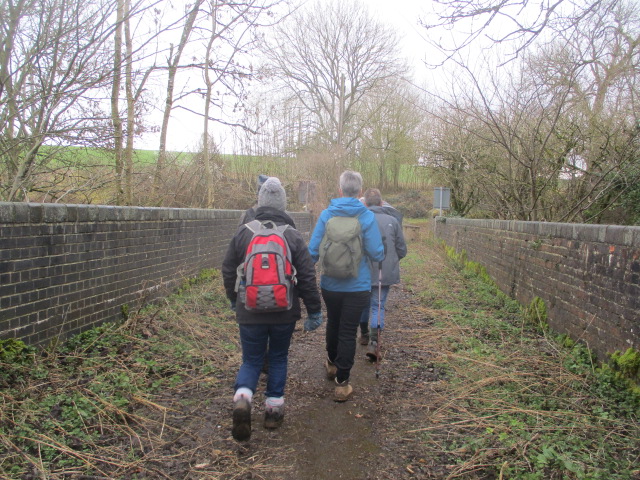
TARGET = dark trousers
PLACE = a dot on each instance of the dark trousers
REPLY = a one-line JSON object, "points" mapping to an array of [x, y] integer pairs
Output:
{"points": [[343, 316]]}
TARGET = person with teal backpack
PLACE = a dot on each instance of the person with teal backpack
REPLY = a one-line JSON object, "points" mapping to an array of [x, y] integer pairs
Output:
{"points": [[344, 241]]}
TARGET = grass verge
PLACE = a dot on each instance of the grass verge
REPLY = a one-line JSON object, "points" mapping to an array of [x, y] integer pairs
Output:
{"points": [[521, 402], [111, 402]]}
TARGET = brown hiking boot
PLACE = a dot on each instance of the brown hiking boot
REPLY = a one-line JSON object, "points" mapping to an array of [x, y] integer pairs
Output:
{"points": [[241, 420], [332, 370], [364, 339], [343, 391]]}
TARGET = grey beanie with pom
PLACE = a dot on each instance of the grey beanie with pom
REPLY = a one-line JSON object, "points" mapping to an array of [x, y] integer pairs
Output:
{"points": [[272, 194]]}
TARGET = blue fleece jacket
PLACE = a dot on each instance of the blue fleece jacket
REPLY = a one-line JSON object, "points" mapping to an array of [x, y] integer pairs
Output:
{"points": [[372, 243]]}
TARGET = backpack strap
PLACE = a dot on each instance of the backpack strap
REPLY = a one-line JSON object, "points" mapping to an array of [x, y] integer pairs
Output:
{"points": [[282, 229], [239, 275], [256, 225], [253, 225]]}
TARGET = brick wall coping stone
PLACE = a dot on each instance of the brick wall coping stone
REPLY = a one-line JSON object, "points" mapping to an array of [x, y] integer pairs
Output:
{"points": [[11, 212], [628, 236]]}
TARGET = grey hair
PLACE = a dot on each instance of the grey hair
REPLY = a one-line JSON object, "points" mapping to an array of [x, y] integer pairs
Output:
{"points": [[350, 183]]}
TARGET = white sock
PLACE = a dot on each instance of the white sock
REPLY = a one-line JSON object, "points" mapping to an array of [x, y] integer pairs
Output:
{"points": [[273, 402], [243, 392]]}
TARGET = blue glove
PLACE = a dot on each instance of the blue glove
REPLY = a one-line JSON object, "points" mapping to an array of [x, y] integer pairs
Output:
{"points": [[233, 305], [313, 321]]}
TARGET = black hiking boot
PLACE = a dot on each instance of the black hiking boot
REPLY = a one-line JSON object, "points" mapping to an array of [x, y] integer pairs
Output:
{"points": [[241, 430], [364, 334], [372, 352]]}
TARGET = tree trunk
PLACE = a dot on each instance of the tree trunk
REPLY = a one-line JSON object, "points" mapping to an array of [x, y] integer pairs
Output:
{"points": [[115, 99], [128, 155], [207, 106], [174, 62]]}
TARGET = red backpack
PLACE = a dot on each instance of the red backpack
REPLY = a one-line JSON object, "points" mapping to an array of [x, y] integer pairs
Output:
{"points": [[266, 277]]}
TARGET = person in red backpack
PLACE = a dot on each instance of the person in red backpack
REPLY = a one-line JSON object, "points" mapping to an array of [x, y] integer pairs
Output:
{"points": [[267, 332]]}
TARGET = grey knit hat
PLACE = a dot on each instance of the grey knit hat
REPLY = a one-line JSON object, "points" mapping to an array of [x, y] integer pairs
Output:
{"points": [[272, 194]]}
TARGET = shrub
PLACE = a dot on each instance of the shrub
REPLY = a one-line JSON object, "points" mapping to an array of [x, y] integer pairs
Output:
{"points": [[412, 204], [536, 313]]}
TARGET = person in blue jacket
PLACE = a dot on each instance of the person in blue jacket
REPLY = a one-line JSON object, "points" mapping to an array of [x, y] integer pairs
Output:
{"points": [[346, 298]]}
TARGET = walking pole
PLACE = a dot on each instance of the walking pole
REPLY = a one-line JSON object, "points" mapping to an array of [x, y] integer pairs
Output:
{"points": [[379, 314]]}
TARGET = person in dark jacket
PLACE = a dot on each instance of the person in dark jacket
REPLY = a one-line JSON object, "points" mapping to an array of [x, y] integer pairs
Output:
{"points": [[390, 209], [395, 249], [346, 298], [248, 216], [272, 331]]}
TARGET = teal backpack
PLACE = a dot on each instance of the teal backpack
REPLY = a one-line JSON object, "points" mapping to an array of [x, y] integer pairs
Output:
{"points": [[341, 247]]}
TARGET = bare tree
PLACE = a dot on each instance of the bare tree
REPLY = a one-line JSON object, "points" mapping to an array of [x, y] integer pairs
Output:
{"points": [[209, 92], [557, 130], [388, 138], [132, 65], [454, 154], [136, 75], [232, 34], [282, 125], [517, 24], [173, 63], [519, 132], [131, 100], [329, 57], [54, 61], [220, 35], [598, 61], [115, 98]]}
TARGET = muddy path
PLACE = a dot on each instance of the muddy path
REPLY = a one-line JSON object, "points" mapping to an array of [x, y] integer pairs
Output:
{"points": [[369, 436], [377, 434], [331, 440]]}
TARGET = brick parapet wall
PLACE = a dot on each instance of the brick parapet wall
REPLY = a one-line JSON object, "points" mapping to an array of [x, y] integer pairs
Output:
{"points": [[67, 268], [587, 275]]}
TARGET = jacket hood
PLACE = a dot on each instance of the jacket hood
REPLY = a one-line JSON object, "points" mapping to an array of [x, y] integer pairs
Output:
{"points": [[346, 207], [377, 209], [389, 210], [278, 216]]}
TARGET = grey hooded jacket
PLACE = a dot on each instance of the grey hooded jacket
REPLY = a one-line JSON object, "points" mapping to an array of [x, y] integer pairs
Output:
{"points": [[395, 246]]}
